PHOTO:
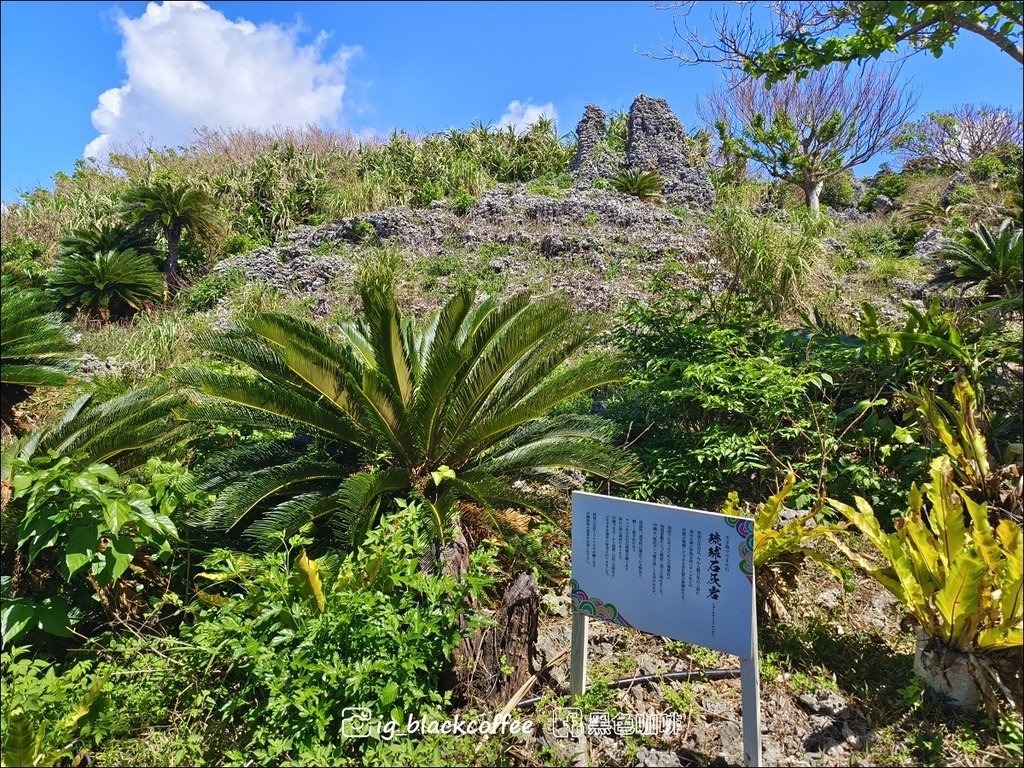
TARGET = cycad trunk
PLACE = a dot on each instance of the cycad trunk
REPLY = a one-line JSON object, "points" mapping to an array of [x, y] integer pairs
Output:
{"points": [[171, 275], [493, 662]]}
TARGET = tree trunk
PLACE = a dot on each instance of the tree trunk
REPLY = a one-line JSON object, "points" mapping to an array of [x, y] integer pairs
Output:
{"points": [[171, 275], [812, 191]]}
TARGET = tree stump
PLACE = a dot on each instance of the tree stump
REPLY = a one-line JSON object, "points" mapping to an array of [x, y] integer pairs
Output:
{"points": [[494, 662], [497, 660]]}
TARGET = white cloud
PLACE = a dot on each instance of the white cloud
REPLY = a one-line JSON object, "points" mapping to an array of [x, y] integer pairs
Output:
{"points": [[521, 115], [189, 66]]}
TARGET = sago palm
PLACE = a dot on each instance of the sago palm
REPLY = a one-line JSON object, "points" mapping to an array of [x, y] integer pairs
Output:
{"points": [[103, 236], [452, 413], [645, 185], [35, 346], [991, 260], [173, 208], [110, 284]]}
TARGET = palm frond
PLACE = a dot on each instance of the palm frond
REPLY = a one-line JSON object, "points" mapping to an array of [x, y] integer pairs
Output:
{"points": [[227, 398], [35, 344], [470, 389], [359, 498], [568, 441], [124, 431], [243, 499]]}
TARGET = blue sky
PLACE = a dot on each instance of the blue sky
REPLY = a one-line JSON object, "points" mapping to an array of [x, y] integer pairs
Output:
{"points": [[97, 74]]}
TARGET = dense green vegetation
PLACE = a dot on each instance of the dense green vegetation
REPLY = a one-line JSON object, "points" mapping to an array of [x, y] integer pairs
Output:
{"points": [[249, 524]]}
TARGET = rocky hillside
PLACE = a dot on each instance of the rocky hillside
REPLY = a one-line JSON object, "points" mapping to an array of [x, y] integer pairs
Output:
{"points": [[573, 233], [601, 247]]}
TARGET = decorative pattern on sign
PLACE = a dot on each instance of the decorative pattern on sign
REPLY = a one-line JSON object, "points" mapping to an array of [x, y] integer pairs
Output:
{"points": [[745, 528], [595, 608]]}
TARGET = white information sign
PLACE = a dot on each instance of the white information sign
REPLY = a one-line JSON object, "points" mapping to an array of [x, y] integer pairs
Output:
{"points": [[680, 573]]}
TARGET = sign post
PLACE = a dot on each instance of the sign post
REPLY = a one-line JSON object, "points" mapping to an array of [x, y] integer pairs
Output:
{"points": [[679, 573]]}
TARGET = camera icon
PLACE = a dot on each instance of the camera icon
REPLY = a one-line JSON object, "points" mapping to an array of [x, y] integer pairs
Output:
{"points": [[355, 722], [566, 723]]}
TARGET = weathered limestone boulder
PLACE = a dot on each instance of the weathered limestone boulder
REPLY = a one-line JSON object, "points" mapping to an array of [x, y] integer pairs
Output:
{"points": [[883, 204], [960, 178]]}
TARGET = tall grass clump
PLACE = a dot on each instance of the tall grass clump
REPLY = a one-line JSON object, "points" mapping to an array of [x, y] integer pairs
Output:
{"points": [[774, 263]]}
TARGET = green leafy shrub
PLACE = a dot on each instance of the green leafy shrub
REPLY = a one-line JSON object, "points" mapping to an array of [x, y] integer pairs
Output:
{"points": [[463, 201], [108, 284], [732, 402], [712, 403], [985, 167], [212, 288], [429, 191], [327, 248], [364, 230], [892, 185], [44, 714], [837, 192], [240, 242], [76, 532], [299, 640], [930, 346]]}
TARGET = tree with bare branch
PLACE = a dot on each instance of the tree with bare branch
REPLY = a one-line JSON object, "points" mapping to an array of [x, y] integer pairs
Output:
{"points": [[953, 138], [805, 131], [773, 40]]}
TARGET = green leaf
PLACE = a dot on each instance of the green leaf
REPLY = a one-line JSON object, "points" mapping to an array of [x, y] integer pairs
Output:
{"points": [[121, 551], [39, 533], [80, 549], [389, 694], [87, 481], [157, 523], [310, 579], [17, 616], [52, 617], [84, 706], [929, 340], [958, 601], [20, 744], [116, 513]]}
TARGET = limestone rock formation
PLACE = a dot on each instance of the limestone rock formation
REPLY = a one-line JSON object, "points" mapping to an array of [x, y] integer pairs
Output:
{"points": [[657, 140], [593, 158]]}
